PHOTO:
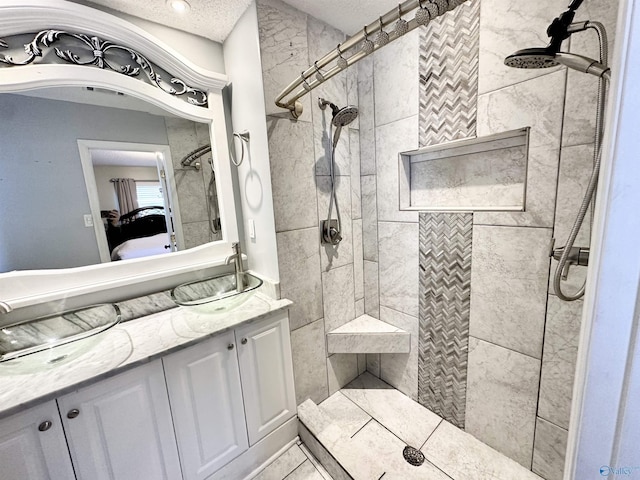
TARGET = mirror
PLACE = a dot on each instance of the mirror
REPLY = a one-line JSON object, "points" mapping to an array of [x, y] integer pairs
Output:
{"points": [[90, 176]]}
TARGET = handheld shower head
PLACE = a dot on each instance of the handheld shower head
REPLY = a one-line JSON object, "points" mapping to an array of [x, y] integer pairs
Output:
{"points": [[341, 117]]}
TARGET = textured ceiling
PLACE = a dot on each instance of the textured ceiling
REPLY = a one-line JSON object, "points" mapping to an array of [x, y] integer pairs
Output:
{"points": [[214, 19]]}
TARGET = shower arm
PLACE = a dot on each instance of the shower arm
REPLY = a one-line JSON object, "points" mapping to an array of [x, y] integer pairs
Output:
{"points": [[304, 83]]}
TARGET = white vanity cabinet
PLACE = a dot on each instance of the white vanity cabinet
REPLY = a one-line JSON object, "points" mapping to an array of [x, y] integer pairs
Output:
{"points": [[199, 413], [206, 401], [222, 389], [264, 351], [33, 447], [121, 428]]}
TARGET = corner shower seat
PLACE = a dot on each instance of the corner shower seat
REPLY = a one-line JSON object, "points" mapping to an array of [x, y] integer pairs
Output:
{"points": [[366, 334]]}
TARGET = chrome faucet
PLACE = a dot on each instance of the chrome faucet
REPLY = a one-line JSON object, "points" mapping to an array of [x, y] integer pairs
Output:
{"points": [[236, 258]]}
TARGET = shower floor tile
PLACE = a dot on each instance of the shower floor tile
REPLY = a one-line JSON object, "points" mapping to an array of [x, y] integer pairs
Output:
{"points": [[406, 419], [375, 450]]}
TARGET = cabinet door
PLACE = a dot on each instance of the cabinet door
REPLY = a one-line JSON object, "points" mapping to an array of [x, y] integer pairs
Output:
{"points": [[33, 447], [120, 428], [206, 401], [264, 352]]}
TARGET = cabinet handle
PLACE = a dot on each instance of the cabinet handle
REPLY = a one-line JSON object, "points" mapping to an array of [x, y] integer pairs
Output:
{"points": [[230, 346], [73, 413], [243, 341], [44, 426]]}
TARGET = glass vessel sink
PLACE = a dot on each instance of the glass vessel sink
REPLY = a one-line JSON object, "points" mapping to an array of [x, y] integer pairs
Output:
{"points": [[217, 294], [53, 338]]}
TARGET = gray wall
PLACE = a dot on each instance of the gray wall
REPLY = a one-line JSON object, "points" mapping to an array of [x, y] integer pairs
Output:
{"points": [[42, 190]]}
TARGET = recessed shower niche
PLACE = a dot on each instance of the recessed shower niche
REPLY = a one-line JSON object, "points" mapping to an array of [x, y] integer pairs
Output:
{"points": [[477, 174]]}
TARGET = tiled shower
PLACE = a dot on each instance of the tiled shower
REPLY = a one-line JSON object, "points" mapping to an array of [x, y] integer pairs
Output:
{"points": [[507, 344]]}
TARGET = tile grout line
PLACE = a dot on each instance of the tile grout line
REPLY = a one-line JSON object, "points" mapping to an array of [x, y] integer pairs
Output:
{"points": [[316, 463], [367, 423], [431, 434]]}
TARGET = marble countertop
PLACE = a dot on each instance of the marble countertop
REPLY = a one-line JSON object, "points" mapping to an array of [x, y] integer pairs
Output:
{"points": [[123, 347]]}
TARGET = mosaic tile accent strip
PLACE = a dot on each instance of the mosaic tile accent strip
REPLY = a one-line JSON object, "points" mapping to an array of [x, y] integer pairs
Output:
{"points": [[445, 293], [449, 56]]}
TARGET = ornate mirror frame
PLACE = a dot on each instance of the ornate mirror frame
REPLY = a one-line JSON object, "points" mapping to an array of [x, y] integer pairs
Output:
{"points": [[30, 287]]}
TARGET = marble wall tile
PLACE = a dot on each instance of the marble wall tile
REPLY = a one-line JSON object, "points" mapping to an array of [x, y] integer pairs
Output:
{"points": [[536, 103], [399, 251], [182, 137], [338, 299], [323, 38], [401, 369], [300, 279], [502, 390], [196, 233], [292, 179], [562, 333], [549, 450], [580, 104], [352, 93], [575, 280], [509, 270], [342, 368], [310, 362], [391, 139], [365, 94], [366, 117], [542, 172], [504, 30], [367, 152], [333, 256], [373, 364], [371, 289], [354, 146], [358, 262], [283, 51], [397, 79], [191, 196], [359, 307], [369, 218], [575, 171]]}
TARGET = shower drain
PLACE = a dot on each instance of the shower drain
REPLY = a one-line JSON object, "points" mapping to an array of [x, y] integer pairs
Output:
{"points": [[413, 456]]}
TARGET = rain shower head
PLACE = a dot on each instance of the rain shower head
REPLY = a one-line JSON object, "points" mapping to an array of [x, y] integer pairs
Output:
{"points": [[545, 58], [532, 58]]}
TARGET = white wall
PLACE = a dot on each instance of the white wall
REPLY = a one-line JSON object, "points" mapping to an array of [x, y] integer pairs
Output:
{"points": [[244, 68]]}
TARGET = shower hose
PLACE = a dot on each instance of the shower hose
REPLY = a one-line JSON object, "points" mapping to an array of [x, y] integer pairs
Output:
{"points": [[590, 195]]}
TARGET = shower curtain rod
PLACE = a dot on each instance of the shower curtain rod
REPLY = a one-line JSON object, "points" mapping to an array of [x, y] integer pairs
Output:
{"points": [[427, 11]]}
